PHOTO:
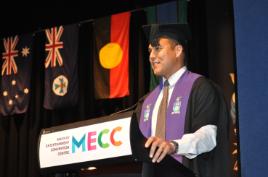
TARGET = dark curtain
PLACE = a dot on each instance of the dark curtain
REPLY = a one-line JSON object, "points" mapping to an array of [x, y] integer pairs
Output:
{"points": [[213, 55]]}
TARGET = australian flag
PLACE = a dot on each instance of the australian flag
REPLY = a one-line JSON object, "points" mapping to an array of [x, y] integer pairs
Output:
{"points": [[61, 75], [16, 74]]}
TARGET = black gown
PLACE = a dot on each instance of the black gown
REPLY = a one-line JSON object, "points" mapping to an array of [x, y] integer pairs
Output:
{"points": [[206, 105]]}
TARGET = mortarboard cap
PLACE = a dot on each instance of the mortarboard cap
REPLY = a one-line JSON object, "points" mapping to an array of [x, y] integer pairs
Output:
{"points": [[178, 32]]}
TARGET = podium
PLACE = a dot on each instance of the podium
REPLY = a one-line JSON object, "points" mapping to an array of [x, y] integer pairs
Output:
{"points": [[108, 143]]}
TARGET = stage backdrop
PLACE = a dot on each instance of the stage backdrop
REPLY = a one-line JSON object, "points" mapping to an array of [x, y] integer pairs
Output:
{"points": [[19, 132], [251, 27]]}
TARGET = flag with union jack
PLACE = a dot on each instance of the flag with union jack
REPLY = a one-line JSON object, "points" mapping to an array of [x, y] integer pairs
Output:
{"points": [[16, 70], [61, 75]]}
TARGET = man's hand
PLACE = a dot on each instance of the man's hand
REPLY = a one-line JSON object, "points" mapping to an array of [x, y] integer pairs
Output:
{"points": [[159, 148]]}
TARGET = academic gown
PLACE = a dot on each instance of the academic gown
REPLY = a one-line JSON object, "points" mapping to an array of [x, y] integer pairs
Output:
{"points": [[206, 105]]}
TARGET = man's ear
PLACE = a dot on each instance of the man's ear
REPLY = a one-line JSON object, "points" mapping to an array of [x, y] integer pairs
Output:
{"points": [[178, 50]]}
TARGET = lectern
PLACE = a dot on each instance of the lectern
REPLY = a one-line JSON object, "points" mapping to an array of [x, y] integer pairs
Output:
{"points": [[113, 140]]}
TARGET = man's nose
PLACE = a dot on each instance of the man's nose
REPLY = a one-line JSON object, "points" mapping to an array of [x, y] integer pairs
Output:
{"points": [[152, 55]]}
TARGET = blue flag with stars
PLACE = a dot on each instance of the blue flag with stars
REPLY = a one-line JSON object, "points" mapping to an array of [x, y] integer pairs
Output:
{"points": [[61, 75], [15, 74]]}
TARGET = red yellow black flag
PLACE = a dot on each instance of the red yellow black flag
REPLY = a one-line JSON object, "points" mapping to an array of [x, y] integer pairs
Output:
{"points": [[111, 62]]}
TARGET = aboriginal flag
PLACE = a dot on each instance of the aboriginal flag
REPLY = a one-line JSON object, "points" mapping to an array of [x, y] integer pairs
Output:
{"points": [[111, 57]]}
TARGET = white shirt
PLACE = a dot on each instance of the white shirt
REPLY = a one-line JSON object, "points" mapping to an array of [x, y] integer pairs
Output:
{"points": [[192, 144]]}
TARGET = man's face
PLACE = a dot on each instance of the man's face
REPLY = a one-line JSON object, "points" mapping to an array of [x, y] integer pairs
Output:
{"points": [[164, 58]]}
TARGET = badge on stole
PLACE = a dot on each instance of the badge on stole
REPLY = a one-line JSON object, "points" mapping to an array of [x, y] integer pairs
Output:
{"points": [[177, 106], [146, 113]]}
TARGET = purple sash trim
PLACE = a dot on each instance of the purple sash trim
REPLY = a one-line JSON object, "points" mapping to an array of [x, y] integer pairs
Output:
{"points": [[176, 111]]}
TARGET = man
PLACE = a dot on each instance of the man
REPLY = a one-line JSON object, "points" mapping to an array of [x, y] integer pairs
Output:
{"points": [[185, 116]]}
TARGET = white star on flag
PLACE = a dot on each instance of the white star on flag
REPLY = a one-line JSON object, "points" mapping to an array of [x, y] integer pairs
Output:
{"points": [[25, 51]]}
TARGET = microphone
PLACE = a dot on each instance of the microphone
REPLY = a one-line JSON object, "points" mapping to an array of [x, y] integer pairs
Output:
{"points": [[131, 107]]}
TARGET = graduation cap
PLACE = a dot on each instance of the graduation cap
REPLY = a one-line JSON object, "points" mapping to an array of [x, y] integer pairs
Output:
{"points": [[178, 32]]}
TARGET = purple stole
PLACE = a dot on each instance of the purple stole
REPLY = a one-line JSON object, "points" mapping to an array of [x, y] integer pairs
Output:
{"points": [[176, 110]]}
